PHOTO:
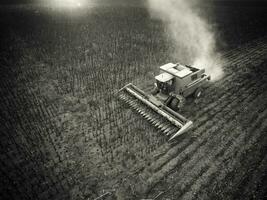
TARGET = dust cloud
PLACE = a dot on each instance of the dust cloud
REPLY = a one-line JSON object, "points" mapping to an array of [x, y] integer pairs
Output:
{"points": [[64, 3], [193, 38]]}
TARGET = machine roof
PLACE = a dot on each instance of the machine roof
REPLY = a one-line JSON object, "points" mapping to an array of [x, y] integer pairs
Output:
{"points": [[176, 69], [164, 77]]}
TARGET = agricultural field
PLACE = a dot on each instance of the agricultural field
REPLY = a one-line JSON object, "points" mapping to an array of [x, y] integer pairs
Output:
{"points": [[66, 135]]}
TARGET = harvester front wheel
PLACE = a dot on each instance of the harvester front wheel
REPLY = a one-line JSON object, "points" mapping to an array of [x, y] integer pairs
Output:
{"points": [[198, 93], [174, 105]]}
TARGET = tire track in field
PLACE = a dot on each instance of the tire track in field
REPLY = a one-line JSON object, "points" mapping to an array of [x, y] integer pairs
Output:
{"points": [[259, 109], [242, 168], [224, 82], [228, 78], [239, 141], [205, 125], [194, 147], [173, 152], [190, 166], [200, 142], [219, 105], [223, 170]]}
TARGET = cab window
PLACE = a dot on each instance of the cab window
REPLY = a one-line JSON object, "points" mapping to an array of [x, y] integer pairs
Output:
{"points": [[194, 77], [170, 82]]}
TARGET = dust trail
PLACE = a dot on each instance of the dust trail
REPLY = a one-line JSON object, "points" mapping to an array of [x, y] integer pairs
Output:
{"points": [[193, 38]]}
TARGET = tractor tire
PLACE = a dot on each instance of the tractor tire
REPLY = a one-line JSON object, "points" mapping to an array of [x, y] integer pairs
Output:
{"points": [[198, 93], [174, 105]]}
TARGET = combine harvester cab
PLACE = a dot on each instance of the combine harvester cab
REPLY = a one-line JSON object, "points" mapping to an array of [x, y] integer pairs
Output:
{"points": [[160, 107]]}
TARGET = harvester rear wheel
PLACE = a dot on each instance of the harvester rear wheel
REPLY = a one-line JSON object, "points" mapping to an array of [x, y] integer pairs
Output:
{"points": [[198, 93]]}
